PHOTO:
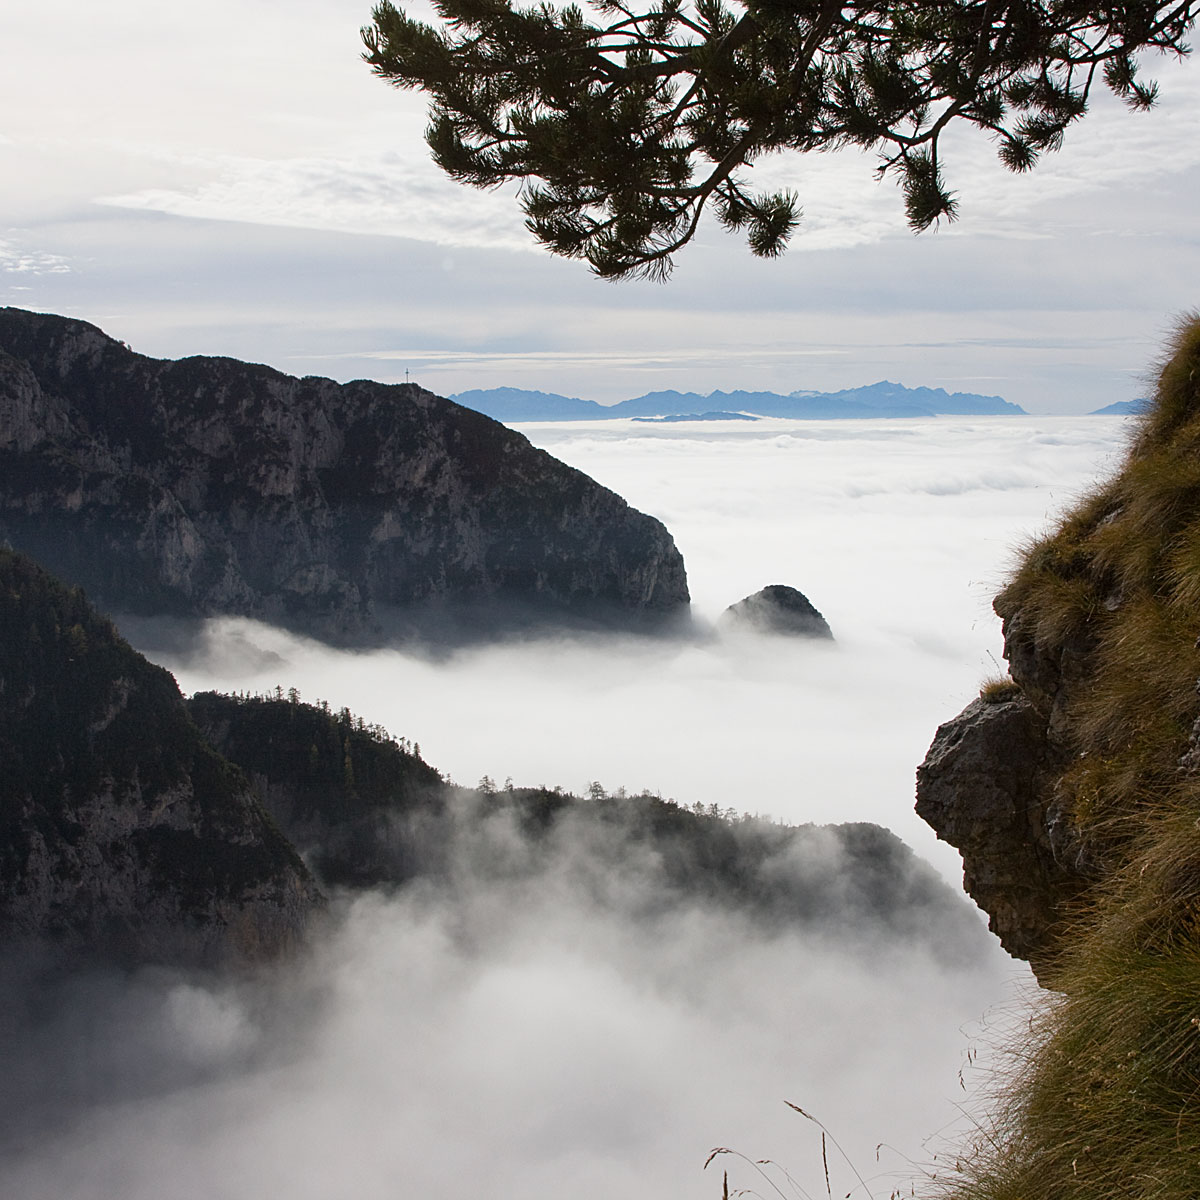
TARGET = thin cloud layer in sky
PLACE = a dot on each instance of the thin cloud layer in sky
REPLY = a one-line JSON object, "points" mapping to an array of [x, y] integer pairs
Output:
{"points": [[233, 180]]}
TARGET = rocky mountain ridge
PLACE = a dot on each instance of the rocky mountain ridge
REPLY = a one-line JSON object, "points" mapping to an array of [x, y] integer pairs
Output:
{"points": [[350, 512]]}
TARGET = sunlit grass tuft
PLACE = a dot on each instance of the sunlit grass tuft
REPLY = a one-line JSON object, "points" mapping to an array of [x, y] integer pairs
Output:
{"points": [[997, 689]]}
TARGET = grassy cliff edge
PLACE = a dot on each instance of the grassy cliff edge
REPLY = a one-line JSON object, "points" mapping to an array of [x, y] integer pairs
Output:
{"points": [[1101, 624]]}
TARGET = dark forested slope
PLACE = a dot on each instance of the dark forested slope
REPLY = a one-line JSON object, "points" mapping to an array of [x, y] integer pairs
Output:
{"points": [[137, 826], [365, 809], [122, 832]]}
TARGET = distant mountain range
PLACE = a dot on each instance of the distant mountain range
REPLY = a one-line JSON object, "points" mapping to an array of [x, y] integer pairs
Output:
{"points": [[1125, 408], [883, 399]]}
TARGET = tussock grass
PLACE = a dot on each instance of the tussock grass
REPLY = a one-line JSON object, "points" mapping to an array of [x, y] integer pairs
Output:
{"points": [[998, 689], [1103, 1098]]}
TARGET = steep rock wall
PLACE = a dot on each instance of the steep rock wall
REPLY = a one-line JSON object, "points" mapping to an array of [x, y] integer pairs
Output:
{"points": [[209, 486], [987, 787]]}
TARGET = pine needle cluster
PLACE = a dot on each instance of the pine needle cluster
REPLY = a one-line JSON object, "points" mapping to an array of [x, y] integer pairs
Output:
{"points": [[624, 125]]}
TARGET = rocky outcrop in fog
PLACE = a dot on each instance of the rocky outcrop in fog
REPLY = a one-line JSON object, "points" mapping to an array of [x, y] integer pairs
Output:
{"points": [[209, 486], [986, 787], [780, 609], [992, 786]]}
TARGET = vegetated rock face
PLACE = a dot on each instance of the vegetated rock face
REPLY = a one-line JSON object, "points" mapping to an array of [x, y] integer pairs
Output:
{"points": [[123, 834], [991, 787], [778, 609], [1056, 795], [209, 486]]}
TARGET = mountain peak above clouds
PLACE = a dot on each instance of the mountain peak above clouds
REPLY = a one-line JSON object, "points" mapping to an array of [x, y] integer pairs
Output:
{"points": [[882, 399]]}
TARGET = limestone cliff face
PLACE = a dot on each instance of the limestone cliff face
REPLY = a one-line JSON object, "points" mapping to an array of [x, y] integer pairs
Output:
{"points": [[209, 486], [122, 832], [992, 785]]}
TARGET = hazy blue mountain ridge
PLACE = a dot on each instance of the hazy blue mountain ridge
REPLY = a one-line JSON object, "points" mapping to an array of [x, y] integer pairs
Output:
{"points": [[882, 399], [516, 404], [922, 401], [1129, 408]]}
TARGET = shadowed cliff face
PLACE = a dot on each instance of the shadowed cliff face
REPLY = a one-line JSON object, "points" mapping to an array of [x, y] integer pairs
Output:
{"points": [[123, 834], [209, 486], [987, 787]]}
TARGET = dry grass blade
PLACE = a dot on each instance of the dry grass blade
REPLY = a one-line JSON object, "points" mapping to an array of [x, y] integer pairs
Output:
{"points": [[862, 1183], [758, 1165]]}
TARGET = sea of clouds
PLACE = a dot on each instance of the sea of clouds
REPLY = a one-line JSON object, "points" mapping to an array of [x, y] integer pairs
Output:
{"points": [[900, 532], [527, 1036]]}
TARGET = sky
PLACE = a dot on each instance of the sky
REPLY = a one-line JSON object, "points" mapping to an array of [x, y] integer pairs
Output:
{"points": [[229, 178]]}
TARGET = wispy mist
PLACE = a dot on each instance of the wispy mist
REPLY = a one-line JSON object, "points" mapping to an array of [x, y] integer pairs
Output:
{"points": [[523, 1037], [540, 1025], [899, 532]]}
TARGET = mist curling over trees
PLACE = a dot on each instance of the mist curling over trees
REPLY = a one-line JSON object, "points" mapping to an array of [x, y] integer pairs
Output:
{"points": [[625, 123]]}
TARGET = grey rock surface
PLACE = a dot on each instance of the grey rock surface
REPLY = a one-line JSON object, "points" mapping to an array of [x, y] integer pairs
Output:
{"points": [[777, 608], [209, 486], [990, 787], [986, 788]]}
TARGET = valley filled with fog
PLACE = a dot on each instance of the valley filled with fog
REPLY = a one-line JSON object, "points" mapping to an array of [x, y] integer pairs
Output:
{"points": [[900, 532], [539, 1036]]}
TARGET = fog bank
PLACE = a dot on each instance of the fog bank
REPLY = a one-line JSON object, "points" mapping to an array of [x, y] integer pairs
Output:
{"points": [[521, 1038], [899, 532], [563, 1028]]}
